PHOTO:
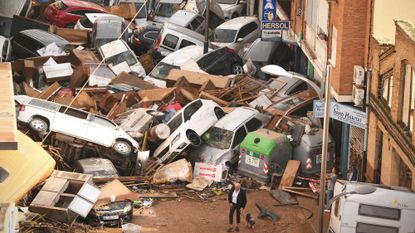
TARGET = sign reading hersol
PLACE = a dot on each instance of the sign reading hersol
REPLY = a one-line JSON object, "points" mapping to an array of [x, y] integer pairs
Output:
{"points": [[276, 25]]}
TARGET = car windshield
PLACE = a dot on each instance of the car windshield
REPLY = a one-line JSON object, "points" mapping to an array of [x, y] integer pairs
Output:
{"points": [[126, 56], [162, 70], [167, 9], [143, 12], [225, 35], [227, 1], [219, 138]]}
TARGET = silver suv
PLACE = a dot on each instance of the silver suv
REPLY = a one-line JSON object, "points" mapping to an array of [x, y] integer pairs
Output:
{"points": [[43, 116]]}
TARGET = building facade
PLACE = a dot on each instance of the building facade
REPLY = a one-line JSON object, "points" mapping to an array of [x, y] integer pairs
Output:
{"points": [[391, 137]]}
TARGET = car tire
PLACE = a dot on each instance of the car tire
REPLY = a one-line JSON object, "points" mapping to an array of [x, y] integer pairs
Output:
{"points": [[39, 125], [193, 138], [122, 147], [237, 69], [219, 112]]}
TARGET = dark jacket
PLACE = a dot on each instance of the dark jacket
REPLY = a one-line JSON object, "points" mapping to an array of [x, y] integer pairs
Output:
{"points": [[241, 200]]}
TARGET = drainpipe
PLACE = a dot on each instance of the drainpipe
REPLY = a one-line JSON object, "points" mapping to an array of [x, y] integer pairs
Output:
{"points": [[367, 107]]}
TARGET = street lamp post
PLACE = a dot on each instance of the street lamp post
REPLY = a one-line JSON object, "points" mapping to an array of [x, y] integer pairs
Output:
{"points": [[361, 189], [279, 71]]}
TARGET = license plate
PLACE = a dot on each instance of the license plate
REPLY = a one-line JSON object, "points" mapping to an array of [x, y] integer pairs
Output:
{"points": [[318, 159], [114, 217], [251, 160]]}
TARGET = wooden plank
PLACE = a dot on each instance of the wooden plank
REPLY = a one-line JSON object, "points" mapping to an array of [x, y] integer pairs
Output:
{"points": [[304, 194], [8, 125], [219, 101], [157, 195], [198, 79], [290, 173], [50, 91]]}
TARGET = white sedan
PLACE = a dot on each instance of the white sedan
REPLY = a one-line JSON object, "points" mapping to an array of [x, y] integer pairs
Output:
{"points": [[44, 116], [187, 126]]}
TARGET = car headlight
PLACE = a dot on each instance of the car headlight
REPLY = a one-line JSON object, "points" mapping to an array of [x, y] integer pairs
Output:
{"points": [[175, 139], [127, 208]]}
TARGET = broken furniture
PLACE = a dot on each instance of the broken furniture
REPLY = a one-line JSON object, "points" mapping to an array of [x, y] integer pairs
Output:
{"points": [[65, 196], [266, 213], [8, 125]]}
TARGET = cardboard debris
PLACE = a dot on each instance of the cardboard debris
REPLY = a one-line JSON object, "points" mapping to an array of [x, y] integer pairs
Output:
{"points": [[76, 57], [118, 190], [155, 95], [147, 62], [261, 101], [191, 65], [209, 171], [100, 75], [8, 125], [83, 100], [132, 80], [199, 183], [134, 120], [79, 76], [75, 36], [180, 170], [197, 79], [126, 11]]}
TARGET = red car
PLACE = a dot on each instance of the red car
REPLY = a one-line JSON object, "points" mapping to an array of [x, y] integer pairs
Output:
{"points": [[65, 13]]}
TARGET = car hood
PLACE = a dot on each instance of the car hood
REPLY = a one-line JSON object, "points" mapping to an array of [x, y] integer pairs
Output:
{"points": [[225, 7], [207, 154]]}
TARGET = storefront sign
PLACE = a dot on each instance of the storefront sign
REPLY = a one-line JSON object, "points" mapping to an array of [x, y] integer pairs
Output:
{"points": [[341, 112]]}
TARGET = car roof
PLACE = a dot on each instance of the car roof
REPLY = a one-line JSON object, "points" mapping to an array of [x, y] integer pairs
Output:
{"points": [[181, 56], [184, 31], [237, 117], [44, 37], [237, 22], [94, 16], [182, 17], [83, 4]]}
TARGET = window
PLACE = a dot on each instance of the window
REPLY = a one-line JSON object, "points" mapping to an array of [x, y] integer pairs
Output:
{"points": [[370, 228], [175, 122], [407, 96], [171, 41], [28, 43], [247, 29], [3, 174], [379, 212], [185, 43], [191, 109], [195, 24], [253, 124], [387, 84], [239, 136], [44, 104], [73, 112], [78, 12], [103, 121], [151, 35]]}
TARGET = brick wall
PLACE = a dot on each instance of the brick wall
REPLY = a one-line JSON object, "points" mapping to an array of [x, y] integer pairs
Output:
{"points": [[350, 19]]}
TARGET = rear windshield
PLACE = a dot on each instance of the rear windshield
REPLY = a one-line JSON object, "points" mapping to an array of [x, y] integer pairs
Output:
{"points": [[60, 6], [225, 35], [166, 9], [162, 70]]}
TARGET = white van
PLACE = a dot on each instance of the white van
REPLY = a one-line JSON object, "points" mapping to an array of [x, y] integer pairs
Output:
{"points": [[173, 37], [386, 210]]}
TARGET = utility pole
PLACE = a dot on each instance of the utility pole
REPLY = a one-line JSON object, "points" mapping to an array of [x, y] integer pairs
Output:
{"points": [[324, 152], [206, 44]]}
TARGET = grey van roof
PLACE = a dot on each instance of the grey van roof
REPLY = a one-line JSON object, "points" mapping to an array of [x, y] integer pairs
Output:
{"points": [[44, 37], [184, 31]]}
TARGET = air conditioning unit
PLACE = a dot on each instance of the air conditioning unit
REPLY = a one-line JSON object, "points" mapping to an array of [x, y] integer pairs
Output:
{"points": [[358, 75], [358, 95]]}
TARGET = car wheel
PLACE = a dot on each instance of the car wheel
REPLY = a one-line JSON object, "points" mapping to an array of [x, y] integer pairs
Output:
{"points": [[234, 15], [237, 69], [219, 113], [193, 138], [38, 125], [122, 147]]}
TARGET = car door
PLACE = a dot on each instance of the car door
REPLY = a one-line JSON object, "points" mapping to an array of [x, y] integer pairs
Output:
{"points": [[101, 130], [237, 140], [251, 32], [71, 122]]}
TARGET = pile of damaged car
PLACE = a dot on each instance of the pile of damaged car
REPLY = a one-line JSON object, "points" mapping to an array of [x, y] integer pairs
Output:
{"points": [[123, 110]]}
